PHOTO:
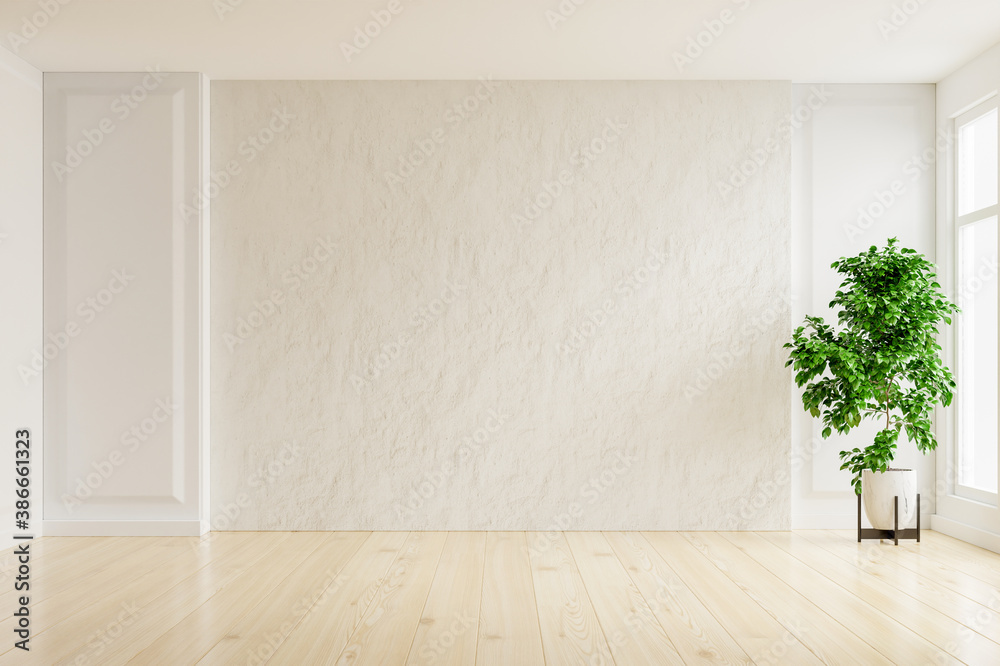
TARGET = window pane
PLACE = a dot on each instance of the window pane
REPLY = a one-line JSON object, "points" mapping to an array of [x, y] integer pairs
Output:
{"points": [[977, 163], [977, 371]]}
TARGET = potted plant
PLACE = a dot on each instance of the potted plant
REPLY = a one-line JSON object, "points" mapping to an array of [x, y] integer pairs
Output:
{"points": [[882, 364]]}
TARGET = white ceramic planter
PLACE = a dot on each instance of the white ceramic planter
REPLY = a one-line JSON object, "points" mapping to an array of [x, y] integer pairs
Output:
{"points": [[878, 490]]}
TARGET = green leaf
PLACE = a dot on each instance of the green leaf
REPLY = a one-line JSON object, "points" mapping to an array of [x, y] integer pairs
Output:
{"points": [[881, 360]]}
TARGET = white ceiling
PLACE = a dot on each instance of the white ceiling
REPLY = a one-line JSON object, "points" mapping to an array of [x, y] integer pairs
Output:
{"points": [[799, 40]]}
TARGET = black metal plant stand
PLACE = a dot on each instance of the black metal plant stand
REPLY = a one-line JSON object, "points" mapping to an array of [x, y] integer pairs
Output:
{"points": [[895, 534]]}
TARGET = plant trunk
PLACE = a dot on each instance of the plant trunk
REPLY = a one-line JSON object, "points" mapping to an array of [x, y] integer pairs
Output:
{"points": [[887, 407]]}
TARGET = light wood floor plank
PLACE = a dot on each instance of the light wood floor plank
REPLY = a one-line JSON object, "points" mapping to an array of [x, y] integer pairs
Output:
{"points": [[44, 546], [322, 634], [232, 578], [116, 620], [869, 557], [982, 554], [570, 631], [975, 562], [498, 598], [761, 636], [633, 633], [387, 629], [262, 630], [181, 561], [948, 634], [508, 622], [96, 556], [926, 630], [54, 599], [448, 631], [696, 633], [909, 556], [196, 634], [831, 641]]}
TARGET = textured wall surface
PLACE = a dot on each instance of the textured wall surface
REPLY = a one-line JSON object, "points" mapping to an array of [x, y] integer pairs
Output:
{"points": [[471, 305]]}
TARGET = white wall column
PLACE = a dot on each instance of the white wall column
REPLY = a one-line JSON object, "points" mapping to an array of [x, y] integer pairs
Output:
{"points": [[862, 172], [126, 289], [21, 275]]}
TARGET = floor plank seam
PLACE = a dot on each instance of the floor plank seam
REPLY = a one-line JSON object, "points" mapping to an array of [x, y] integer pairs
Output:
{"points": [[482, 585], [644, 599], [99, 600], [423, 608], [802, 596], [305, 613], [375, 593], [920, 638], [590, 600]]}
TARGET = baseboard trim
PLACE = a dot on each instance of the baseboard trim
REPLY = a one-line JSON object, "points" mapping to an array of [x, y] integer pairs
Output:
{"points": [[841, 521], [968, 533], [124, 527], [825, 521]]}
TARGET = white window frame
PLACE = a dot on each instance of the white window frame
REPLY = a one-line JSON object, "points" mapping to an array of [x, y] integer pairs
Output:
{"points": [[960, 222]]}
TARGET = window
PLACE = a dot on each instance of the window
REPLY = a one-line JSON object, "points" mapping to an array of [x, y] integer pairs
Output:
{"points": [[976, 211]]}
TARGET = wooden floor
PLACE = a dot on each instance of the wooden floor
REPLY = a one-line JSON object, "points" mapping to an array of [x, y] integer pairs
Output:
{"points": [[507, 598]]}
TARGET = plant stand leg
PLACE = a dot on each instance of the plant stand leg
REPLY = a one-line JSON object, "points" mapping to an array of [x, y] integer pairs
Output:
{"points": [[859, 518], [895, 534], [895, 520]]}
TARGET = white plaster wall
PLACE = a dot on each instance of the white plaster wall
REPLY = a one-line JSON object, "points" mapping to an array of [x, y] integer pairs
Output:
{"points": [[20, 275], [409, 355], [871, 148]]}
